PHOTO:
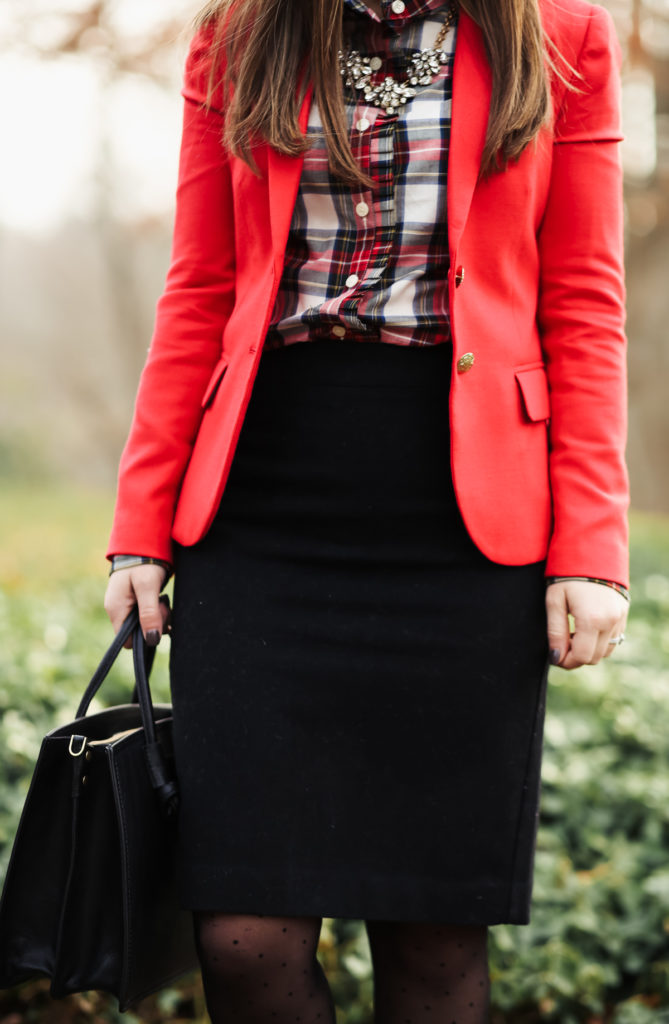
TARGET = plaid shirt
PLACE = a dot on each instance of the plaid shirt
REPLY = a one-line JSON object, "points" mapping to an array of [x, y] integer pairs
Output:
{"points": [[371, 265]]}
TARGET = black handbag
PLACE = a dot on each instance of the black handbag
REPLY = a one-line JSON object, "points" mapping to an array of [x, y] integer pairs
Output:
{"points": [[90, 895]]}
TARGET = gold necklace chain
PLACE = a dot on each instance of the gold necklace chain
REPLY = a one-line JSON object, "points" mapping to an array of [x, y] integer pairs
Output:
{"points": [[390, 95]]}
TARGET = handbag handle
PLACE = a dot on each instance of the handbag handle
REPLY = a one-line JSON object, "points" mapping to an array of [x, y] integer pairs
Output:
{"points": [[162, 779], [108, 659]]}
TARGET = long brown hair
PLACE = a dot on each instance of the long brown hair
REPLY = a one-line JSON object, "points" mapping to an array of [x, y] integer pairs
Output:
{"points": [[274, 47]]}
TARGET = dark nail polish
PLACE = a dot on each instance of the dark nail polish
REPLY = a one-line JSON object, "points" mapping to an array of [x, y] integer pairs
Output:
{"points": [[555, 656], [153, 637]]}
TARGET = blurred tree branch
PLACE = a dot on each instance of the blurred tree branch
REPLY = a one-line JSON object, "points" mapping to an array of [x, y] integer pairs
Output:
{"points": [[92, 31]]}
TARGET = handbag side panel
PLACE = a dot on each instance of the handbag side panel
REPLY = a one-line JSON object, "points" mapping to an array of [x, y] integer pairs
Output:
{"points": [[32, 898], [90, 942], [159, 942]]}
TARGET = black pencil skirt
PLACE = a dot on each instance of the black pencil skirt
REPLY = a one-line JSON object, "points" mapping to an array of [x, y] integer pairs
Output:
{"points": [[358, 692]]}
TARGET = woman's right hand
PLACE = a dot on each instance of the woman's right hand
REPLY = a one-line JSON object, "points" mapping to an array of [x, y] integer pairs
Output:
{"points": [[139, 585]]}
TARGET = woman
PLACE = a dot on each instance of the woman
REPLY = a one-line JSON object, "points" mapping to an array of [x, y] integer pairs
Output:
{"points": [[379, 436]]}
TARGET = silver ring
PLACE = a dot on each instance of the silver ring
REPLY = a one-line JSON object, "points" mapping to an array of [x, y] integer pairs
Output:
{"points": [[617, 639]]}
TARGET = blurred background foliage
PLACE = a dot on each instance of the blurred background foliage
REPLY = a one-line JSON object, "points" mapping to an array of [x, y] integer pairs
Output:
{"points": [[90, 124]]}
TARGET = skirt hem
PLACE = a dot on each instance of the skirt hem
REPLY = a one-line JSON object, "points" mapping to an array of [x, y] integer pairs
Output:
{"points": [[240, 890]]}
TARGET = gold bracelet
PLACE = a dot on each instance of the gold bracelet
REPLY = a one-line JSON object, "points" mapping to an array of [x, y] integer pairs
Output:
{"points": [[605, 583]]}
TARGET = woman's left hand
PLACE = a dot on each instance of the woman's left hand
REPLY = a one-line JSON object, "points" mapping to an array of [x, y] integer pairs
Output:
{"points": [[600, 615]]}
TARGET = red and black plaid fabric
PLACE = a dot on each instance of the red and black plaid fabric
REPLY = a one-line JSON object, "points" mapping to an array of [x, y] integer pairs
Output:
{"points": [[371, 264]]}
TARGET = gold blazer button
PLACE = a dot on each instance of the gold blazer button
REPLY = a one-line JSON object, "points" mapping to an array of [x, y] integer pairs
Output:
{"points": [[465, 362], [459, 276]]}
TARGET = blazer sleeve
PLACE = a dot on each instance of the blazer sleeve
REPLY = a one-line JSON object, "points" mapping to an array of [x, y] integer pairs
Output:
{"points": [[581, 318], [190, 317]]}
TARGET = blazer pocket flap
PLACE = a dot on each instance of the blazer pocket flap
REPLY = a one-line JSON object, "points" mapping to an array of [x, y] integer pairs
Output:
{"points": [[533, 385], [214, 381]]}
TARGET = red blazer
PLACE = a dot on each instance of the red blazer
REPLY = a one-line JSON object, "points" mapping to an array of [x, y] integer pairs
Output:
{"points": [[536, 289]]}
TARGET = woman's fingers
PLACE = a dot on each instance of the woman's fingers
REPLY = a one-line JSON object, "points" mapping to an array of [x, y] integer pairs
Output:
{"points": [[119, 599], [141, 586], [583, 647], [618, 630], [558, 623], [599, 613], [147, 587]]}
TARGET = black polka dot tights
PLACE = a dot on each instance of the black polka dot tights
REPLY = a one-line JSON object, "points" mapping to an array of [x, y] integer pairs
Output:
{"points": [[258, 969]]}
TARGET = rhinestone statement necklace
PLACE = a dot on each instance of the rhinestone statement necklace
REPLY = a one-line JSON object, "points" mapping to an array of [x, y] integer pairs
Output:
{"points": [[390, 95]]}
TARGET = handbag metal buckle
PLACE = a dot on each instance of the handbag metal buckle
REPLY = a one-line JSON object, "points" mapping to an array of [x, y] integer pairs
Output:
{"points": [[77, 753]]}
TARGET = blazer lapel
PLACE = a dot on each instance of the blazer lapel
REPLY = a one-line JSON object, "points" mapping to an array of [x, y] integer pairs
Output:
{"points": [[472, 89], [283, 175]]}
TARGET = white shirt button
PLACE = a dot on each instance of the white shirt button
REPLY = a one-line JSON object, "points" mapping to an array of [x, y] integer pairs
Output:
{"points": [[352, 280], [398, 7], [362, 209], [362, 125], [339, 332], [375, 63]]}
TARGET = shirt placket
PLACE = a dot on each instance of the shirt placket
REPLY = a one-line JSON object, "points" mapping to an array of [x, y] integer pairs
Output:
{"points": [[372, 135], [358, 277]]}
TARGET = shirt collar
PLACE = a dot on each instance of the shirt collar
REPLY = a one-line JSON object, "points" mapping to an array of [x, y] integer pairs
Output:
{"points": [[413, 9]]}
